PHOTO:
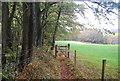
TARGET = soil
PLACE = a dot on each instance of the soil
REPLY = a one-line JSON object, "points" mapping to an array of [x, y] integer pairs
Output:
{"points": [[67, 70], [50, 68]]}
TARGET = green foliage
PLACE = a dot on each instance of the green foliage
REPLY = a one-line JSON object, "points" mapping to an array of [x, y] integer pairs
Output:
{"points": [[67, 20]]}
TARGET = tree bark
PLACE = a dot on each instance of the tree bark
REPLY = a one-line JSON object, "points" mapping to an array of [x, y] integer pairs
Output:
{"points": [[38, 15], [4, 31], [56, 27], [39, 25], [25, 25], [30, 32]]}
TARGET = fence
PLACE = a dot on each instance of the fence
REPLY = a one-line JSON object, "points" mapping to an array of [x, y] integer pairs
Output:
{"points": [[11, 69], [63, 49], [103, 70]]}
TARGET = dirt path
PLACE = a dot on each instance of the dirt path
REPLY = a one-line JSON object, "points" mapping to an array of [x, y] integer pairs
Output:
{"points": [[64, 69], [67, 70], [50, 68]]}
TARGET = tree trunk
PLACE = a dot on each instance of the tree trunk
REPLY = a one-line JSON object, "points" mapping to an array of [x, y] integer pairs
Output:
{"points": [[30, 32], [25, 25], [44, 22], [38, 15], [56, 27], [4, 31]]}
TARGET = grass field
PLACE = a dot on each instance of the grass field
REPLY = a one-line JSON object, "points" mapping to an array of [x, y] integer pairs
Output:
{"points": [[91, 55]]}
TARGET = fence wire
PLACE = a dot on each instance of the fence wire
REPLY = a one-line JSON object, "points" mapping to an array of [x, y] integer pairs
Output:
{"points": [[14, 66], [85, 66]]}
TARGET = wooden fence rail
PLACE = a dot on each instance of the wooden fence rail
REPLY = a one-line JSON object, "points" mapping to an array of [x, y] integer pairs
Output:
{"points": [[62, 49]]}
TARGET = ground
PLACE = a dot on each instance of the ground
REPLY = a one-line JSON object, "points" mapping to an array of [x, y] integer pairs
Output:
{"points": [[67, 69], [46, 66]]}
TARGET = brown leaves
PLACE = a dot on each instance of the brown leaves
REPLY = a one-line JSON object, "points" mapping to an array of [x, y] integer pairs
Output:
{"points": [[45, 68], [67, 69]]}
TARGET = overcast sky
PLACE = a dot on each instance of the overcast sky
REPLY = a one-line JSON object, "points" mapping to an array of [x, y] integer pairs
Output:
{"points": [[92, 22]]}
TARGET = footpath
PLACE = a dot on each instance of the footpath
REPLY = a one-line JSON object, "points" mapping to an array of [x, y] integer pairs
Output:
{"points": [[67, 69]]}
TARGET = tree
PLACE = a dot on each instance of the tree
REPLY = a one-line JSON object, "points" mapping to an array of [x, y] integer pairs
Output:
{"points": [[56, 28], [30, 32], [40, 22], [91, 35], [38, 15], [4, 31], [103, 9], [9, 30], [25, 26]]}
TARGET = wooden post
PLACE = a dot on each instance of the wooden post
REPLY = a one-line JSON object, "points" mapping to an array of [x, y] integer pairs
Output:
{"points": [[75, 58], [68, 50], [56, 51], [103, 69]]}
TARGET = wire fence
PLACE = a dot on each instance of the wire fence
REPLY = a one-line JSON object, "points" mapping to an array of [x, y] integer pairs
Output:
{"points": [[11, 68], [92, 68]]}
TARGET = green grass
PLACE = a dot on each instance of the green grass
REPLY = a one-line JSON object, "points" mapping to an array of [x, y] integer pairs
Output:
{"points": [[93, 54]]}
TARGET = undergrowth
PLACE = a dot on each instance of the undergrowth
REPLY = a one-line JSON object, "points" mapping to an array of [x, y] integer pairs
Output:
{"points": [[43, 66]]}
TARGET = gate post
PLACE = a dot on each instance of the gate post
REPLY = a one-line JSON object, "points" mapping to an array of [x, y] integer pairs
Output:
{"points": [[56, 51], [68, 50]]}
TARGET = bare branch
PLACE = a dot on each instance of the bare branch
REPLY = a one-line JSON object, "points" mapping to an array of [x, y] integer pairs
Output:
{"points": [[101, 5]]}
